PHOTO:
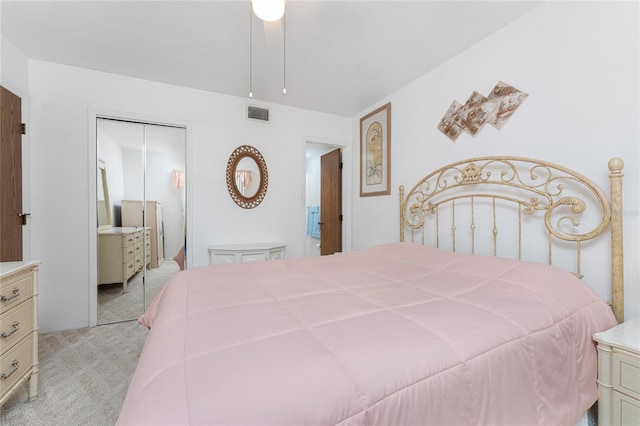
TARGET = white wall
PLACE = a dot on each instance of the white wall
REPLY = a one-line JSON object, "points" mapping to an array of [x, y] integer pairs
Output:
{"points": [[578, 61], [63, 187]]}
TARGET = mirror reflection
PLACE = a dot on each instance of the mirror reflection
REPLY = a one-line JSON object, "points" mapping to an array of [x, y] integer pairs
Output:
{"points": [[103, 206], [141, 230], [247, 177]]}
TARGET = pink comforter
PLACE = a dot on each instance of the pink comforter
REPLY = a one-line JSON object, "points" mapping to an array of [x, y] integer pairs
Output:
{"points": [[398, 334]]}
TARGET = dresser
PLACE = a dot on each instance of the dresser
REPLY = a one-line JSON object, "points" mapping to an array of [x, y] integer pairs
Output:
{"points": [[132, 216], [619, 374], [18, 327], [249, 252], [121, 253]]}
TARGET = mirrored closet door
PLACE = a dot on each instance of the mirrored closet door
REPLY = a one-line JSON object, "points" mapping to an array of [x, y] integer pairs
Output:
{"points": [[141, 206]]}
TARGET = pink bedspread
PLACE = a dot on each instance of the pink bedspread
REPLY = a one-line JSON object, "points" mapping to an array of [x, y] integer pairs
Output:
{"points": [[398, 334]]}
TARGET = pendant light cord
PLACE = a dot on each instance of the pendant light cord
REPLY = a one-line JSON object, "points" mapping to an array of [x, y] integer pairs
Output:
{"points": [[284, 60], [250, 51]]}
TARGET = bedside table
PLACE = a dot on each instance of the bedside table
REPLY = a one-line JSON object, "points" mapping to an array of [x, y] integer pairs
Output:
{"points": [[619, 374], [240, 253]]}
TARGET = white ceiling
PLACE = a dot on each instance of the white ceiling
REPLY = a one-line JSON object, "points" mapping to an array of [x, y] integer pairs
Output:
{"points": [[341, 56]]}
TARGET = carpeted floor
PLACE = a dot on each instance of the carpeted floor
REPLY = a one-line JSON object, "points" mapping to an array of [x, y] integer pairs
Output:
{"points": [[84, 376], [115, 305], [85, 373]]}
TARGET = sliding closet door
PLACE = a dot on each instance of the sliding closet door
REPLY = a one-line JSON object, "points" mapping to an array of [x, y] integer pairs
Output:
{"points": [[144, 173], [165, 210]]}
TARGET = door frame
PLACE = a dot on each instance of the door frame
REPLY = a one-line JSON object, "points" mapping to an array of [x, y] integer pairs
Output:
{"points": [[347, 179], [92, 161]]}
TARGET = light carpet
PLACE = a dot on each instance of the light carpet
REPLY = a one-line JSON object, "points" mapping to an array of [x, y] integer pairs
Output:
{"points": [[116, 305], [85, 373], [84, 376]]}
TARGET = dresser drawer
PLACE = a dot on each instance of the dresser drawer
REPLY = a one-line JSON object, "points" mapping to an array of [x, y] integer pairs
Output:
{"points": [[626, 373], [15, 364], [15, 290], [128, 239], [129, 252], [138, 260], [130, 267], [626, 410], [15, 324], [138, 237]]}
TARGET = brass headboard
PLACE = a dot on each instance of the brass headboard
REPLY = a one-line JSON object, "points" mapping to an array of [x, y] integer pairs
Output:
{"points": [[573, 208]]}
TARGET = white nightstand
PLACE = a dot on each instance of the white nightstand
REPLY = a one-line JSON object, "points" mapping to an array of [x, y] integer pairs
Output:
{"points": [[240, 253], [619, 374]]}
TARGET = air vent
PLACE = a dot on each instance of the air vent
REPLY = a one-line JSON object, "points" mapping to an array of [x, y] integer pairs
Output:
{"points": [[258, 114]]}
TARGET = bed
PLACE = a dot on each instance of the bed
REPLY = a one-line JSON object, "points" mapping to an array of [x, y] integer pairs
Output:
{"points": [[408, 333]]}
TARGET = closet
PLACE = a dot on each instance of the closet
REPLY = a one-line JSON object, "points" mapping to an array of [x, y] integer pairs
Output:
{"points": [[132, 213], [141, 211]]}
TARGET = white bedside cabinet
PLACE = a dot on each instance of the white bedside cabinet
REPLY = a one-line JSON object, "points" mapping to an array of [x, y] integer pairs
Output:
{"points": [[619, 374], [250, 252]]}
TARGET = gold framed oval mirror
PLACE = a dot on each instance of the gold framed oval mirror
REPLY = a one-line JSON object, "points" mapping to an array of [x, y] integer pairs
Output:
{"points": [[247, 177]]}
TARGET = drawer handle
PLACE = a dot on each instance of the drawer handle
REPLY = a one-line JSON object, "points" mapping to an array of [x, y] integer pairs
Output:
{"points": [[16, 327], [14, 368], [16, 293]]}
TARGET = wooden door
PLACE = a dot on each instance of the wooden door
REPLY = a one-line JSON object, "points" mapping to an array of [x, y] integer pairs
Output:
{"points": [[330, 203], [10, 176]]}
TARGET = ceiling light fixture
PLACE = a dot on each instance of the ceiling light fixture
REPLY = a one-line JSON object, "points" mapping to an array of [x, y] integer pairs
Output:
{"points": [[268, 10]]}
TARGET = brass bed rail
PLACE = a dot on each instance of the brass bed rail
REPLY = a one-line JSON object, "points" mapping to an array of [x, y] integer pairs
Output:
{"points": [[574, 209]]}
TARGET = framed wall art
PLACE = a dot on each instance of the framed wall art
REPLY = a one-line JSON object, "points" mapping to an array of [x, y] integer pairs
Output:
{"points": [[375, 152]]}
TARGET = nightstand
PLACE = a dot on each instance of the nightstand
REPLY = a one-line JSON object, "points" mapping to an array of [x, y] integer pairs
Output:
{"points": [[240, 253], [619, 374]]}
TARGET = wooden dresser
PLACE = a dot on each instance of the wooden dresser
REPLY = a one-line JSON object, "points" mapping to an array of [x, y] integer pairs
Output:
{"points": [[120, 254], [619, 374], [132, 216], [18, 327], [238, 253]]}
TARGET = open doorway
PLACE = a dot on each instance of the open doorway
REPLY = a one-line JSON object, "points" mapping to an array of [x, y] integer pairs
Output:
{"points": [[323, 193]]}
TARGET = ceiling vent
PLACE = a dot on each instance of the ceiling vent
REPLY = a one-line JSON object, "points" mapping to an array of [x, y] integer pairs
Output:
{"points": [[258, 114]]}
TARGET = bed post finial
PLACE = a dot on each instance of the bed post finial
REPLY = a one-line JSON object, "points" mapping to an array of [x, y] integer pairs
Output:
{"points": [[617, 270], [401, 213]]}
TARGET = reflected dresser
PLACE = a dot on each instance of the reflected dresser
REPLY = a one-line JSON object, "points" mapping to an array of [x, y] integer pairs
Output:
{"points": [[18, 327], [120, 254], [619, 374], [250, 252], [132, 216]]}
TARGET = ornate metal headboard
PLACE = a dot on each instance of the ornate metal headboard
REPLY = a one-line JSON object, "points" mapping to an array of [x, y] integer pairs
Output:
{"points": [[573, 208]]}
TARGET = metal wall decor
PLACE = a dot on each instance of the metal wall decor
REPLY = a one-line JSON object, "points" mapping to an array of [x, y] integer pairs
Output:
{"points": [[495, 109]]}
